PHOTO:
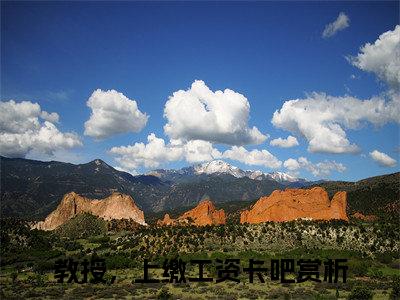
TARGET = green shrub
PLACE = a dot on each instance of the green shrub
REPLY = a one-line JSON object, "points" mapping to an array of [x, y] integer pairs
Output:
{"points": [[72, 246], [43, 266], [99, 239], [376, 273], [14, 276], [36, 280], [120, 261], [395, 294], [361, 292], [359, 268], [385, 258], [164, 294]]}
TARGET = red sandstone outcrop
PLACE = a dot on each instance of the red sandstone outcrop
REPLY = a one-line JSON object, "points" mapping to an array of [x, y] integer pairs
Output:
{"points": [[368, 218], [116, 206], [293, 204], [166, 221], [203, 214]]}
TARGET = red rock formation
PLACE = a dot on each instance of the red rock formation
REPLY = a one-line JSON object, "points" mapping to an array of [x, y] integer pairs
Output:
{"points": [[293, 204], [116, 206], [368, 218], [203, 214], [166, 221]]}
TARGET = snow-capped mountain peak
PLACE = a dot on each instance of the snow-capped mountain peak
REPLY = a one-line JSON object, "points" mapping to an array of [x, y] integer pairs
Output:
{"points": [[221, 167], [218, 166], [280, 176]]}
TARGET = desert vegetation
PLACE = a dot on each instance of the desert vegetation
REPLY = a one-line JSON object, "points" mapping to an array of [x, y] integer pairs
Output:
{"points": [[28, 257]]}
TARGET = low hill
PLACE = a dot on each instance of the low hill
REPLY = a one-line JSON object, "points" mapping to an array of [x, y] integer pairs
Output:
{"points": [[82, 226], [374, 195]]}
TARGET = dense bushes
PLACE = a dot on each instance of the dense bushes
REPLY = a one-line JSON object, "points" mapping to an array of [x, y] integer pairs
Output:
{"points": [[395, 294], [16, 236], [361, 292], [120, 261], [82, 226]]}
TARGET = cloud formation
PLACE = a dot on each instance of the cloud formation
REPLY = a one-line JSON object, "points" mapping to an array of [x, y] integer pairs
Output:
{"points": [[253, 157], [341, 22], [218, 117], [199, 151], [382, 58], [291, 164], [321, 169], [150, 155], [382, 159], [25, 128], [113, 113], [290, 141], [156, 153], [322, 119]]}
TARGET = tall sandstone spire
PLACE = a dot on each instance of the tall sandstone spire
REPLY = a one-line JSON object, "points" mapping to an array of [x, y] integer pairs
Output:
{"points": [[293, 204], [116, 206]]}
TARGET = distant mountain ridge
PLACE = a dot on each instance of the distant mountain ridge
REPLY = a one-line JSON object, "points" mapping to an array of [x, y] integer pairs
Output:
{"points": [[221, 167], [32, 189]]}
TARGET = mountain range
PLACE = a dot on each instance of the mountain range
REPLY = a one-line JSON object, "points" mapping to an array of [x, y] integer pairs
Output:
{"points": [[32, 189], [221, 167]]}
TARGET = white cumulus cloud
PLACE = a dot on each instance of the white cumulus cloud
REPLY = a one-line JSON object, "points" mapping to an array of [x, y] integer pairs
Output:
{"points": [[291, 164], [199, 151], [290, 141], [322, 119], [51, 117], [113, 113], [341, 22], [321, 169], [156, 153], [150, 155], [25, 128], [382, 57], [382, 159], [217, 117], [253, 157]]}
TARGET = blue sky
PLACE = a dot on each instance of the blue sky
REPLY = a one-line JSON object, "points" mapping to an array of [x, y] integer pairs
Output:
{"points": [[58, 54]]}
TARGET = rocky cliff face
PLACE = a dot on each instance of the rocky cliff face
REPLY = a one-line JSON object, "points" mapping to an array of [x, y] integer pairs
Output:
{"points": [[203, 214], [116, 206], [293, 204]]}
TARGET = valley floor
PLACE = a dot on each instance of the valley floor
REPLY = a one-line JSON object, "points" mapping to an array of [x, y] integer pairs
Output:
{"points": [[28, 260], [30, 287]]}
